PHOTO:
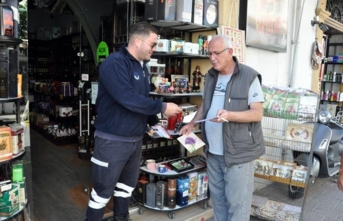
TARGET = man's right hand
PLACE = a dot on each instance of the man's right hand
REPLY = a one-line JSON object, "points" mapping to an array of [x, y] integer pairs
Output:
{"points": [[172, 109], [185, 130]]}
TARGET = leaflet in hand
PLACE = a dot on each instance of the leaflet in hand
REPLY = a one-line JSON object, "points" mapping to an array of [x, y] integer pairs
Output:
{"points": [[191, 142], [158, 131]]}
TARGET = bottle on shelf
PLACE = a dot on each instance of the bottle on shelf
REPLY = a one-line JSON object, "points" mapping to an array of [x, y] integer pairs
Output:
{"points": [[328, 95], [334, 96], [200, 42], [338, 95], [330, 77], [325, 77], [324, 97], [334, 76], [205, 45]]}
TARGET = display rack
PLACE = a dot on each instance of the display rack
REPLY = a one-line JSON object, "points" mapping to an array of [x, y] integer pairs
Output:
{"points": [[161, 198], [282, 173]]}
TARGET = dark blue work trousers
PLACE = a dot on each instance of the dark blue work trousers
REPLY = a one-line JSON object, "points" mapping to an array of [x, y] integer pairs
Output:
{"points": [[115, 172]]}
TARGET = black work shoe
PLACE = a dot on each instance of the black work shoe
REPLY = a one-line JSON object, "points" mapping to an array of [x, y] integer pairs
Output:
{"points": [[121, 219], [108, 219]]}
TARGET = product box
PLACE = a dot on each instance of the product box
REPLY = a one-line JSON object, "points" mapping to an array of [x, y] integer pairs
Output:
{"points": [[151, 10], [198, 12], [5, 185], [299, 132], [9, 202], [65, 111], [195, 48], [202, 185], [176, 45], [18, 171], [26, 134], [182, 190], [184, 10], [188, 47], [282, 172], [151, 195], [141, 191], [17, 133], [299, 176], [5, 143], [21, 192], [263, 168], [192, 189], [163, 45], [210, 12], [166, 10]]}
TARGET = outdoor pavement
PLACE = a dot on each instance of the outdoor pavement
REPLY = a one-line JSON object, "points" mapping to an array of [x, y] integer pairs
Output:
{"points": [[323, 202]]}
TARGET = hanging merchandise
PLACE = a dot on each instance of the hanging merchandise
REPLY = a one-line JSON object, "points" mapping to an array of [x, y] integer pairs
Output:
{"points": [[317, 55], [236, 35], [101, 52], [7, 21]]}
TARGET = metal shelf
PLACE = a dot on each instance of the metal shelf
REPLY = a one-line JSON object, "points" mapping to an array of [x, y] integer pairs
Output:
{"points": [[184, 26]]}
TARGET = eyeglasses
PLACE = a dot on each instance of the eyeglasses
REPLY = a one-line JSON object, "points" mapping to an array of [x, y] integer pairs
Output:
{"points": [[215, 53], [152, 45]]}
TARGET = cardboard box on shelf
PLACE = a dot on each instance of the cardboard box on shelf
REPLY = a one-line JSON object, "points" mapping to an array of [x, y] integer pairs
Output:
{"points": [[182, 191], [5, 143], [188, 47], [9, 202], [192, 189], [151, 10], [184, 10], [17, 133], [202, 185], [26, 140], [283, 171], [197, 17], [166, 10], [176, 45], [263, 168], [210, 12], [163, 45], [299, 176]]}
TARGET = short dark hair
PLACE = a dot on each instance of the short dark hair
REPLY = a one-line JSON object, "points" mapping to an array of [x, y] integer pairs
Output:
{"points": [[142, 28]]}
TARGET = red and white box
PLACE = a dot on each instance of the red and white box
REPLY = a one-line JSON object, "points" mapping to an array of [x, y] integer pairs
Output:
{"points": [[17, 133]]}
